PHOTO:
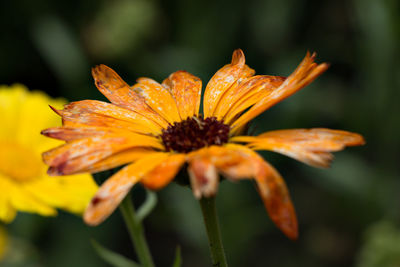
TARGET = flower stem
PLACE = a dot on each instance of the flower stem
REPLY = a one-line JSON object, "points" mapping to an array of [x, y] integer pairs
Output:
{"points": [[209, 211], [136, 232]]}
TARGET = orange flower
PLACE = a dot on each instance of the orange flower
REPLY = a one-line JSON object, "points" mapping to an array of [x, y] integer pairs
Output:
{"points": [[156, 128]]}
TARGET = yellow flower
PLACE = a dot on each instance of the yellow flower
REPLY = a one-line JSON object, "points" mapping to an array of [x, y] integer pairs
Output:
{"points": [[24, 184], [156, 128], [3, 242]]}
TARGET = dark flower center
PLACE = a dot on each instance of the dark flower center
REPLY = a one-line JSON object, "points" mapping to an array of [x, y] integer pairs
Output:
{"points": [[195, 133]]}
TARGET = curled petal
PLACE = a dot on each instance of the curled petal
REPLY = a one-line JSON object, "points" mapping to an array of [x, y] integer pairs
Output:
{"points": [[111, 85], [311, 146], [275, 196], [114, 190], [164, 173], [186, 89], [226, 77], [158, 98], [305, 73], [203, 177]]}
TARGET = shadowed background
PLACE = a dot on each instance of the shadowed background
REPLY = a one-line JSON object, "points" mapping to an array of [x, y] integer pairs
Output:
{"points": [[348, 215]]}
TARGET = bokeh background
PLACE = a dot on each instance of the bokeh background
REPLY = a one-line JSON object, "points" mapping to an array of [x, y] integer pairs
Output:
{"points": [[348, 215]]}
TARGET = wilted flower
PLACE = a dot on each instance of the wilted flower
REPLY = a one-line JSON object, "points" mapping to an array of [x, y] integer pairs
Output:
{"points": [[24, 184], [156, 129]]}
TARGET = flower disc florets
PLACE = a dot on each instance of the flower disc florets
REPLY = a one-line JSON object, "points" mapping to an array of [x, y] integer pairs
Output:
{"points": [[195, 133]]}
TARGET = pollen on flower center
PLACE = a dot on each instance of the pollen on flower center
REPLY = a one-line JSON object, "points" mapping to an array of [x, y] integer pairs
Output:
{"points": [[195, 133], [19, 162]]}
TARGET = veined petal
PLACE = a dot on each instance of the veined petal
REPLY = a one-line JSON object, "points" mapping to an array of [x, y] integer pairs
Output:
{"points": [[186, 89], [164, 173], [158, 98], [248, 93], [118, 159], [111, 85], [311, 146], [223, 79], [64, 159], [106, 110], [114, 190], [305, 73]]}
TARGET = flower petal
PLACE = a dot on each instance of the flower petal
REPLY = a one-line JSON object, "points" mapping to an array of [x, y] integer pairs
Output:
{"points": [[186, 89], [64, 159], [275, 196], [238, 162], [311, 146], [119, 93], [7, 211], [164, 173], [118, 159], [114, 190], [305, 73], [223, 79], [248, 93], [105, 111], [203, 177], [158, 98]]}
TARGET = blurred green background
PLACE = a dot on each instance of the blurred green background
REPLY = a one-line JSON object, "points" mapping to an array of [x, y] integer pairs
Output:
{"points": [[348, 215]]}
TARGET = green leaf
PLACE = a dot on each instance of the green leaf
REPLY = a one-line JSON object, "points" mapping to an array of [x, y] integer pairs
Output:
{"points": [[113, 258], [178, 258], [147, 206]]}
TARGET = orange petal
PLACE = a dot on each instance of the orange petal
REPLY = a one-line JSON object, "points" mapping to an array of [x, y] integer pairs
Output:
{"points": [[238, 162], [311, 146], [70, 133], [158, 98], [186, 89], [164, 173], [305, 73], [228, 76], [232, 162], [275, 196], [90, 150], [118, 159], [250, 92], [103, 111], [114, 190], [119, 93], [203, 177]]}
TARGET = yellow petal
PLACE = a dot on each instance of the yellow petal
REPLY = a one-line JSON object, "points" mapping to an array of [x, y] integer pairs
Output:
{"points": [[186, 89], [71, 193], [114, 190], [158, 98], [20, 199], [305, 73], [164, 173], [119, 93], [223, 79], [311, 146]]}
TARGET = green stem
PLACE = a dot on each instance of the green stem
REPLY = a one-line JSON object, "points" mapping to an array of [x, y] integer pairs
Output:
{"points": [[209, 211], [136, 232]]}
